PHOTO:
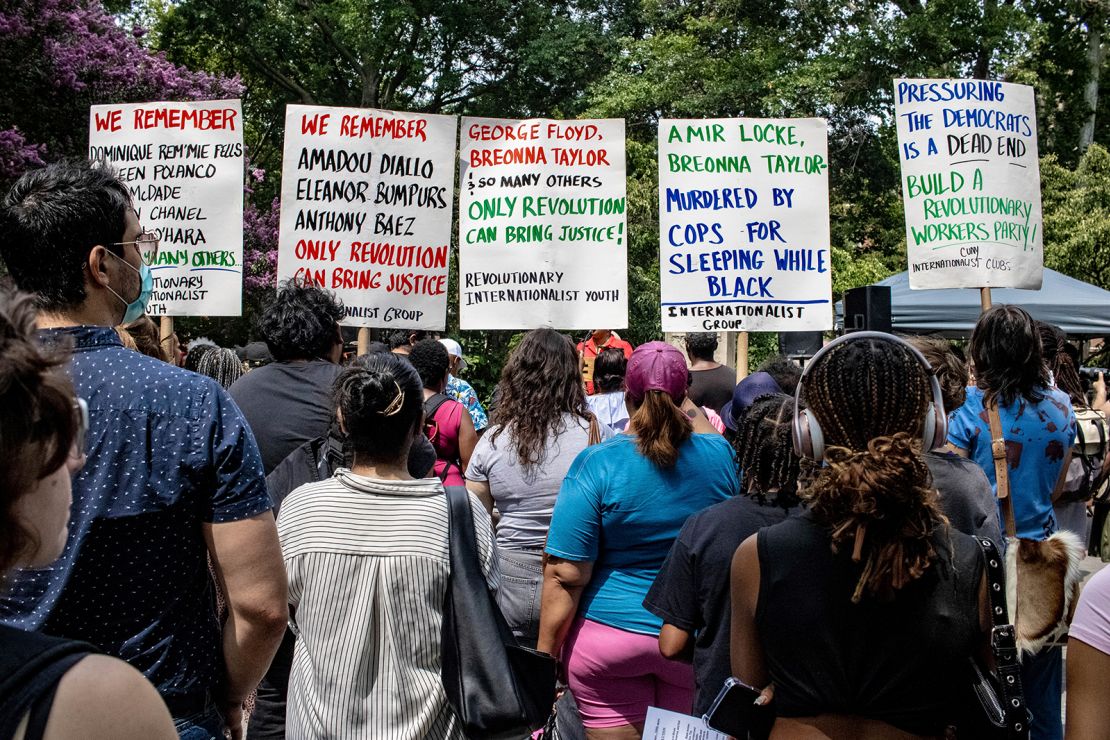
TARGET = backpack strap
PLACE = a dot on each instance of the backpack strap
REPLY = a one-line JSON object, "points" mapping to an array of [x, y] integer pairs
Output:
{"points": [[432, 404], [1001, 469]]}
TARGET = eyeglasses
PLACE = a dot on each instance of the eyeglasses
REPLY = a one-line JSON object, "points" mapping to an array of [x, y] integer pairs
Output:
{"points": [[147, 242], [81, 413]]}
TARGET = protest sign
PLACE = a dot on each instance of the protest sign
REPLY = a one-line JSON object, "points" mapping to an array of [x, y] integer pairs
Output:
{"points": [[366, 211], [971, 183], [542, 236], [744, 225], [183, 163]]}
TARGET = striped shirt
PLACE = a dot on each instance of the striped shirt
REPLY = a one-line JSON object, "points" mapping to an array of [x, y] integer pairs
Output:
{"points": [[368, 566]]}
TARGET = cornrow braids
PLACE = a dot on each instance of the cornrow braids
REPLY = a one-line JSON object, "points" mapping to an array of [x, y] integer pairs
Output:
{"points": [[875, 493], [765, 457], [220, 364]]}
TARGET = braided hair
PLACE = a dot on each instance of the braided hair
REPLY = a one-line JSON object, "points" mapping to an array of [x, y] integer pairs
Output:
{"points": [[765, 456], [220, 364], [875, 493]]}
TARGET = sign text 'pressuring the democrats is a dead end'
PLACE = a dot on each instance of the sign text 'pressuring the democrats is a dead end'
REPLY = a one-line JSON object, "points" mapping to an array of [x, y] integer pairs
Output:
{"points": [[971, 183]]}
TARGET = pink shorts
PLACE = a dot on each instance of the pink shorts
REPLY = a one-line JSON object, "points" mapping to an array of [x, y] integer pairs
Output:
{"points": [[616, 675]]}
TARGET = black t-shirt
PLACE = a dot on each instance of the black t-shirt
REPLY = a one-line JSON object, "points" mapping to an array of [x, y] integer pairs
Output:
{"points": [[966, 495], [286, 405], [691, 591], [899, 660], [712, 388]]}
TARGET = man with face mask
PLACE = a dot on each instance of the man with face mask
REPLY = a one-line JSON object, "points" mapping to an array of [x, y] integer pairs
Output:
{"points": [[173, 475]]}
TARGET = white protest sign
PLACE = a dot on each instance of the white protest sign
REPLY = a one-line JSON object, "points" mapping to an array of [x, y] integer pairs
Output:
{"points": [[662, 724], [366, 211], [971, 183], [744, 225], [542, 235], [183, 163]]}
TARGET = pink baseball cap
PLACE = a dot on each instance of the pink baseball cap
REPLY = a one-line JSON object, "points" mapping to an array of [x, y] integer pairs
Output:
{"points": [[657, 366]]}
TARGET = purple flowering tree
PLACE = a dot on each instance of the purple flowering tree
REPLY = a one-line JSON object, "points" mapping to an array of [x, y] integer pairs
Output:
{"points": [[59, 57]]}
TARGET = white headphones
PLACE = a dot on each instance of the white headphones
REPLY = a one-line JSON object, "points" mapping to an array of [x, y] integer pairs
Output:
{"points": [[809, 440]]}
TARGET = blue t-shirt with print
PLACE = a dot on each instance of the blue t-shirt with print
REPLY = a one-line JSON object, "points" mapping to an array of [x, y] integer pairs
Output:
{"points": [[1037, 435], [622, 512]]}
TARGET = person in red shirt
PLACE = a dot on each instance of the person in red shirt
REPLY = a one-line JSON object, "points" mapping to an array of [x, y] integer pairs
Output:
{"points": [[591, 347]]}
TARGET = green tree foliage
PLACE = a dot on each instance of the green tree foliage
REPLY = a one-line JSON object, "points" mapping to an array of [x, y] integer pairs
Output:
{"points": [[494, 57], [1077, 216]]}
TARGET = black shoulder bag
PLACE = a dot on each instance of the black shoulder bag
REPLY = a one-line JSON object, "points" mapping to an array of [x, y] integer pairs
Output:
{"points": [[995, 708], [497, 688]]}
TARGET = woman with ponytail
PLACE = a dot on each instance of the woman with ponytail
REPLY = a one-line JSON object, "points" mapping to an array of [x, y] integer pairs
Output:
{"points": [[617, 514], [863, 611], [367, 561]]}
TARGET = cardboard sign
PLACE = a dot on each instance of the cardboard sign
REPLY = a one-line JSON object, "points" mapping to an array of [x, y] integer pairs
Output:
{"points": [[183, 163], [366, 211], [971, 183], [542, 235], [744, 225]]}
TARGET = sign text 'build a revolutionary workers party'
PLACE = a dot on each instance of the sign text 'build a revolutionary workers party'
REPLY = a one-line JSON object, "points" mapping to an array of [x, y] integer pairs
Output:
{"points": [[971, 183], [744, 225], [183, 163], [542, 235], [366, 211]]}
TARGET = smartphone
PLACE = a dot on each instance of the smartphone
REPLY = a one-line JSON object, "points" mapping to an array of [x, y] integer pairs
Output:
{"points": [[734, 712]]}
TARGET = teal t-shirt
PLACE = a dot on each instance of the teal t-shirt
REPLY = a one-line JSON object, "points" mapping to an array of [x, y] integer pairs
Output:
{"points": [[1037, 437], [622, 512]]}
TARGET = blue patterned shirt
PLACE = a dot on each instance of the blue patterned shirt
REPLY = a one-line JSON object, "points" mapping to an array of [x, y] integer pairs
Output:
{"points": [[1037, 437], [463, 392], [168, 451]]}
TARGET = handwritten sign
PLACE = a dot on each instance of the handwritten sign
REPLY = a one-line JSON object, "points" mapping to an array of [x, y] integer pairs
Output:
{"points": [[542, 235], [971, 183], [183, 163], [366, 211], [744, 225]]}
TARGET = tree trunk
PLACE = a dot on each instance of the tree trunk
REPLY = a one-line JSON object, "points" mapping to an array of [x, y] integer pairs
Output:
{"points": [[1094, 67]]}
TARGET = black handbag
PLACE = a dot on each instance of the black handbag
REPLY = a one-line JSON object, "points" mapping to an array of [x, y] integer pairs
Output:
{"points": [[994, 708], [497, 688]]}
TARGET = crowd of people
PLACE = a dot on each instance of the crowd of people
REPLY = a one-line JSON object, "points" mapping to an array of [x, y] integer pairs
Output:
{"points": [[199, 543]]}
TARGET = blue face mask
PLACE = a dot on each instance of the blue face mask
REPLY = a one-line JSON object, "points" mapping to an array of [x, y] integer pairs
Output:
{"points": [[137, 307]]}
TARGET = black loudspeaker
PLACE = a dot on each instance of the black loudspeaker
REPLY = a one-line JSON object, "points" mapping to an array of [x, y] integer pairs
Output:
{"points": [[799, 344], [867, 309]]}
